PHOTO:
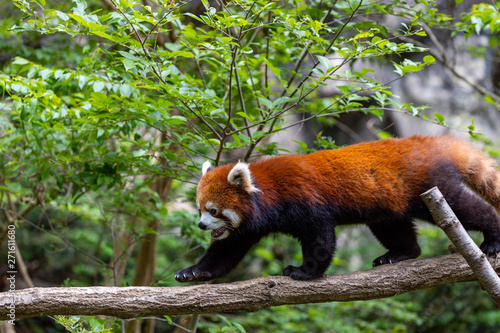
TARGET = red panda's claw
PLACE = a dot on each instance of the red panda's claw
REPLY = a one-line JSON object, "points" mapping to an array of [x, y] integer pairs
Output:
{"points": [[192, 273], [392, 257], [491, 248]]}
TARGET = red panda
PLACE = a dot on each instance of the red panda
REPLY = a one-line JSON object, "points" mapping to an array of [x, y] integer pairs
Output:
{"points": [[377, 184]]}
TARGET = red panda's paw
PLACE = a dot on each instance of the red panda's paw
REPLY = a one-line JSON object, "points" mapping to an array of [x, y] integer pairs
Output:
{"points": [[297, 273], [192, 273], [392, 257], [491, 248]]}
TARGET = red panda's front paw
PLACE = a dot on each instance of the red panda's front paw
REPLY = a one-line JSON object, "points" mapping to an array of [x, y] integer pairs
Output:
{"points": [[192, 273], [297, 273]]}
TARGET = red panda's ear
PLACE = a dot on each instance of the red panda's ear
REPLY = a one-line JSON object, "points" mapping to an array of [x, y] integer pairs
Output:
{"points": [[206, 167], [240, 176]]}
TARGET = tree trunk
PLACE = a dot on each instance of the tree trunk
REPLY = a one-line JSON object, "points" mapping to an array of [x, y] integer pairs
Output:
{"points": [[146, 259]]}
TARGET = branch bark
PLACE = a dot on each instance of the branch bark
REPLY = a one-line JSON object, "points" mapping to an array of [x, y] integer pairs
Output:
{"points": [[446, 219], [244, 296]]}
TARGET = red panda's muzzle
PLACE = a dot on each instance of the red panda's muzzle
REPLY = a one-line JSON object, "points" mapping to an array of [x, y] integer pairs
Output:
{"points": [[221, 222], [219, 228]]}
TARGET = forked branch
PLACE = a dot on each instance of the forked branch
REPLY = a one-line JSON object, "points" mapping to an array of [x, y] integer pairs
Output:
{"points": [[445, 218]]}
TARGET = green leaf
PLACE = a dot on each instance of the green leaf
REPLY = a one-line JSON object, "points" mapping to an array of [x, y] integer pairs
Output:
{"points": [[266, 102], [302, 145], [184, 54], [157, 115], [20, 61], [82, 80], [31, 170], [398, 68], [439, 118], [283, 100], [345, 90], [325, 62], [245, 138], [78, 18], [126, 90], [246, 116], [478, 23], [103, 35], [129, 56], [428, 59], [489, 99], [98, 86], [128, 64], [411, 68], [62, 15], [365, 71], [59, 127], [45, 73], [274, 69], [472, 127], [176, 120]]}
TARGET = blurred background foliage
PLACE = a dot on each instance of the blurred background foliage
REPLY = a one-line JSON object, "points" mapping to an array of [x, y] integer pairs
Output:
{"points": [[109, 108]]}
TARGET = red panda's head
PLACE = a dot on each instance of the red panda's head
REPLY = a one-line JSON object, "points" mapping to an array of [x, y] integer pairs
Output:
{"points": [[222, 197]]}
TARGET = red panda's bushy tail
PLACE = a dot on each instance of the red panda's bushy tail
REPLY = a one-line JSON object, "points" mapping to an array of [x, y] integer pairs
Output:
{"points": [[483, 176]]}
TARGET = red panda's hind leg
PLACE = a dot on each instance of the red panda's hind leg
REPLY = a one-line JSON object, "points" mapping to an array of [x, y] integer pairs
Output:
{"points": [[399, 237], [475, 215], [471, 209], [481, 217]]}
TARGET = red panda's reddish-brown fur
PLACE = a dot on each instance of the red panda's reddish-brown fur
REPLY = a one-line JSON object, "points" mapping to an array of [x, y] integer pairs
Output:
{"points": [[376, 183]]}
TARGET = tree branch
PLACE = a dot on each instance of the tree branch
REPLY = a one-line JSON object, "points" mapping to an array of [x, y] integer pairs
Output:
{"points": [[446, 219], [244, 296]]}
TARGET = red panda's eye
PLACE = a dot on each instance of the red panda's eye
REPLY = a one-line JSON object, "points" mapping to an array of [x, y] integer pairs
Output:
{"points": [[212, 211]]}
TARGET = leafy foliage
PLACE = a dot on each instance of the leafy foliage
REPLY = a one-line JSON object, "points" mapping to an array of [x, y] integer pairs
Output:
{"points": [[481, 17], [75, 324]]}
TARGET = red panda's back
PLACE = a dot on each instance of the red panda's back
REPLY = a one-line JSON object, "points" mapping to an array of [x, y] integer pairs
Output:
{"points": [[384, 174]]}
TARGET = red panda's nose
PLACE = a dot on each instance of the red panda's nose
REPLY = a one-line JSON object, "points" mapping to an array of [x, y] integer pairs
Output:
{"points": [[202, 226]]}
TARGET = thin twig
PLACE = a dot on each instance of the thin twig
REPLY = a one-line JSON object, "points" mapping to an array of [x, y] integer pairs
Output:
{"points": [[444, 61], [326, 50], [305, 51]]}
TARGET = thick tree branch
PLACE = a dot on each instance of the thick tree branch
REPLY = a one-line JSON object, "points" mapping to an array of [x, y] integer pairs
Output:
{"points": [[243, 296], [446, 219]]}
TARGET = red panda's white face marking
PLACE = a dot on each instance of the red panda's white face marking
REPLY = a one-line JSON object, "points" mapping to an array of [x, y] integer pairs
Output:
{"points": [[233, 216], [218, 198]]}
